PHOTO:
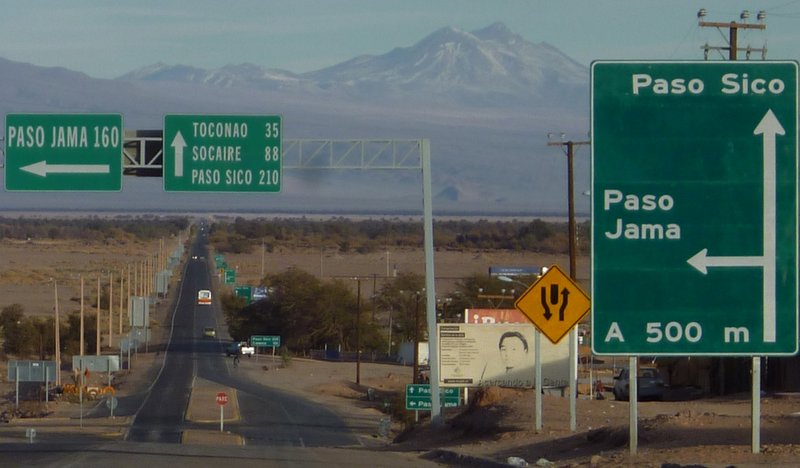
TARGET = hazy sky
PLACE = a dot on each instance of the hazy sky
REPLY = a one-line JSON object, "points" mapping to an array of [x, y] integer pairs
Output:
{"points": [[106, 39]]}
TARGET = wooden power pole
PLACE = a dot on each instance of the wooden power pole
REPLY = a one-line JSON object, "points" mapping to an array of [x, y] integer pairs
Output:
{"points": [[733, 34]]}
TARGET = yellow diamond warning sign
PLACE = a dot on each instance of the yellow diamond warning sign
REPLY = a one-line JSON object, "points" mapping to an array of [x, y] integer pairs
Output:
{"points": [[554, 303]]}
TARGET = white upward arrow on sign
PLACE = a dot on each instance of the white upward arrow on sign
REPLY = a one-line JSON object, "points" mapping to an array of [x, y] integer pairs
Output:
{"points": [[178, 144], [769, 127], [41, 168]]}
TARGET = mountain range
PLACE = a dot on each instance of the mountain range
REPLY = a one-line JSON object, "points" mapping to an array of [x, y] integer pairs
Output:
{"points": [[486, 99]]}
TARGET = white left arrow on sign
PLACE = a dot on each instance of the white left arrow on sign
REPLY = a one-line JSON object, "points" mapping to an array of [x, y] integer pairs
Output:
{"points": [[769, 126], [701, 261], [41, 168]]}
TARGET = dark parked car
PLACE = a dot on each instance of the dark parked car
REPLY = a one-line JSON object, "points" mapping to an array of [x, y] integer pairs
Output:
{"points": [[650, 384]]}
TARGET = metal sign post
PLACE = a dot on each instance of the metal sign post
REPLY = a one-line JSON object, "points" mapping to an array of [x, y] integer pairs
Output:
{"points": [[222, 400], [555, 304]]}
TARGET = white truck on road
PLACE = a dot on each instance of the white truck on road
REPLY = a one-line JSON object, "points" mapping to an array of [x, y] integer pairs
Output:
{"points": [[240, 349]]}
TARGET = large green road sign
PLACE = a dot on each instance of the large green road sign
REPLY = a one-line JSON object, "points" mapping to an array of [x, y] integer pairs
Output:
{"points": [[222, 153], [61, 152], [694, 208]]}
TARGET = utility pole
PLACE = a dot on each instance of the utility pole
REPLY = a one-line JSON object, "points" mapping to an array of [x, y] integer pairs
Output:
{"points": [[569, 150], [733, 33], [57, 326], [358, 332]]}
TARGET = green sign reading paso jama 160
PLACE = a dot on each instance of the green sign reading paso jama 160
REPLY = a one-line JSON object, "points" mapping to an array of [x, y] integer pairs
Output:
{"points": [[694, 208], [222, 153], [63, 152]]}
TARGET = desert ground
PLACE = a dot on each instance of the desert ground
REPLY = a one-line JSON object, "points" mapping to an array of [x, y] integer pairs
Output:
{"points": [[32, 270], [496, 427]]}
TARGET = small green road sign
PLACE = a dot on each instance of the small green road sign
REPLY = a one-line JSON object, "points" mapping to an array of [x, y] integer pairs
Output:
{"points": [[229, 276], [265, 341], [244, 291], [694, 208], [418, 397], [222, 153], [63, 152]]}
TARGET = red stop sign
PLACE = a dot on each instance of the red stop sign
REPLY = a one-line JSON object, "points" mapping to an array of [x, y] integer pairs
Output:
{"points": [[222, 398]]}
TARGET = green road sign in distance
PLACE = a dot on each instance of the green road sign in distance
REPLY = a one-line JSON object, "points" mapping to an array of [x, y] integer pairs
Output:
{"points": [[265, 341], [230, 276], [694, 208], [64, 152], [245, 292], [222, 153]]}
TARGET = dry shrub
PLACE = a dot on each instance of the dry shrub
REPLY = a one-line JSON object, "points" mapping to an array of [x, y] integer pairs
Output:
{"points": [[490, 396]]}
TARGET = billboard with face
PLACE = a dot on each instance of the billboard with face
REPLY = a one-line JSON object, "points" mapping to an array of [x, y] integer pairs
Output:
{"points": [[498, 354]]}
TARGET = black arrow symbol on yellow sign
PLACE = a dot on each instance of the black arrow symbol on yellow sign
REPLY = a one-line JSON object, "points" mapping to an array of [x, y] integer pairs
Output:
{"points": [[554, 300], [564, 301]]}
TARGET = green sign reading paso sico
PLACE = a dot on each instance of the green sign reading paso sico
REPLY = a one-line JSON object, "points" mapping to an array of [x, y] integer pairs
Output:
{"points": [[63, 152], [265, 341], [418, 397], [222, 153], [694, 208]]}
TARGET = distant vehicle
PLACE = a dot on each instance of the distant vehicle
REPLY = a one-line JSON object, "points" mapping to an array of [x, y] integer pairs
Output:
{"points": [[650, 384], [239, 349], [259, 293], [209, 332], [204, 297]]}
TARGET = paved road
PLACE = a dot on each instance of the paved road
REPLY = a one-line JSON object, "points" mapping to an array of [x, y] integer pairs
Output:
{"points": [[267, 416]]}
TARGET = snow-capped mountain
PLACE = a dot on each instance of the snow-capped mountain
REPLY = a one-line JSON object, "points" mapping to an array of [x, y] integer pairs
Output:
{"points": [[486, 64], [488, 67]]}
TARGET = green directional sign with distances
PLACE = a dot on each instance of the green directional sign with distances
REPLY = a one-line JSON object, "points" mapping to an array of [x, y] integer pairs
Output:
{"points": [[63, 152], [222, 153], [266, 341], [229, 276], [418, 397], [694, 208]]}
